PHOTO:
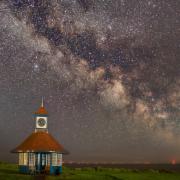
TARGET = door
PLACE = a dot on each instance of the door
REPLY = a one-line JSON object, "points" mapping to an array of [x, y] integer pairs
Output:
{"points": [[40, 162]]}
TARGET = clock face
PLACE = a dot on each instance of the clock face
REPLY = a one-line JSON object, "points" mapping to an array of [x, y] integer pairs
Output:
{"points": [[41, 122]]}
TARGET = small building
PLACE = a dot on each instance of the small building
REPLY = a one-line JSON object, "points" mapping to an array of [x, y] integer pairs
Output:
{"points": [[40, 152]]}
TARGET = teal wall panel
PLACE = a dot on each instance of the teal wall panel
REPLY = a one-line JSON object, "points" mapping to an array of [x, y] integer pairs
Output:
{"points": [[55, 170], [23, 169]]}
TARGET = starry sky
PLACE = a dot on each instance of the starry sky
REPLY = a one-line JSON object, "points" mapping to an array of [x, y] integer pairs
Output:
{"points": [[109, 72]]}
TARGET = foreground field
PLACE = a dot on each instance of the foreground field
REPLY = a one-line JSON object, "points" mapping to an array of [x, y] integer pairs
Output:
{"points": [[10, 172]]}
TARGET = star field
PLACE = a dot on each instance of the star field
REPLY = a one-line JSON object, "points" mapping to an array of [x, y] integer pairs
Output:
{"points": [[108, 70]]}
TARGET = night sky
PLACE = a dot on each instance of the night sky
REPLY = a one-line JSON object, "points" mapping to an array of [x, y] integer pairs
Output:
{"points": [[109, 72]]}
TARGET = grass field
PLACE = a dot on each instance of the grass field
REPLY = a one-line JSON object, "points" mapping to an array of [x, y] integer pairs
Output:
{"points": [[10, 172]]}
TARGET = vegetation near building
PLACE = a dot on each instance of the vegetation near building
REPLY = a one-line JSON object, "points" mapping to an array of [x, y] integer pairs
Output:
{"points": [[10, 172]]}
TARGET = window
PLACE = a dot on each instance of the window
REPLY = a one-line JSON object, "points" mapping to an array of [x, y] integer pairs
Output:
{"points": [[59, 159], [43, 156], [21, 161], [23, 158], [56, 159], [31, 159], [48, 159]]}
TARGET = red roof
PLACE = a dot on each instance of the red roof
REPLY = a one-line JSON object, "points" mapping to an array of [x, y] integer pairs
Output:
{"points": [[40, 142], [42, 111]]}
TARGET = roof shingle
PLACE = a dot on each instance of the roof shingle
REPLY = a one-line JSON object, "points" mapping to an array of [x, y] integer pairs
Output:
{"points": [[40, 142]]}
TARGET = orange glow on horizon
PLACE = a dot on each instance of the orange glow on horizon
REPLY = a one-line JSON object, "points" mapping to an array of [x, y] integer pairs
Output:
{"points": [[173, 161]]}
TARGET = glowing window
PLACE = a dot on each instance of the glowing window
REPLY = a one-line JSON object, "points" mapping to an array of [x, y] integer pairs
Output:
{"points": [[23, 158]]}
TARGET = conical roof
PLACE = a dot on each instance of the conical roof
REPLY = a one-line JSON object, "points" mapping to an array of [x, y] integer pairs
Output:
{"points": [[41, 110], [40, 142]]}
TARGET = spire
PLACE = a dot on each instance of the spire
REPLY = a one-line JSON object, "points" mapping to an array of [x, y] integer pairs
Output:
{"points": [[42, 102], [41, 110]]}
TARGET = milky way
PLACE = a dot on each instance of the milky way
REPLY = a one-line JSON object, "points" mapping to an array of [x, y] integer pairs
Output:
{"points": [[108, 70]]}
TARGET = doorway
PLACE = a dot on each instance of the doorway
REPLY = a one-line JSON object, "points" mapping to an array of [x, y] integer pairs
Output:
{"points": [[40, 162]]}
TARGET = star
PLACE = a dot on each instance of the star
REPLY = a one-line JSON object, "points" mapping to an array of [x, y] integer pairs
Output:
{"points": [[108, 70]]}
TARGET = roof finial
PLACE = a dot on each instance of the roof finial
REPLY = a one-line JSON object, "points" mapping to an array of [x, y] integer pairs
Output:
{"points": [[42, 102]]}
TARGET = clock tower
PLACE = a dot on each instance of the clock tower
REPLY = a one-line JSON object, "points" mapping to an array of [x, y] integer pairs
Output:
{"points": [[40, 153], [41, 118]]}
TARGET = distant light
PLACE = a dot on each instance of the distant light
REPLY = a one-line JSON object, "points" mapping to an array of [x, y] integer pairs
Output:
{"points": [[173, 162]]}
